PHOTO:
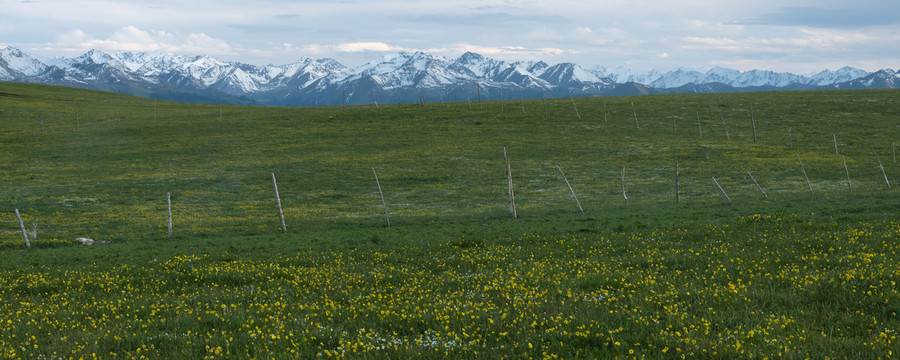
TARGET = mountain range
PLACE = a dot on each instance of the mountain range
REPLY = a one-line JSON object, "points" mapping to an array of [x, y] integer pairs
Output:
{"points": [[401, 77]]}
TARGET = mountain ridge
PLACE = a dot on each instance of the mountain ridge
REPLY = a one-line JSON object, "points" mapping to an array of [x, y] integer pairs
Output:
{"points": [[397, 77]]}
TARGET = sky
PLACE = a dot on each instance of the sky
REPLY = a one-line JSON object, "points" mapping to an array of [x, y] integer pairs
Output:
{"points": [[801, 36]]}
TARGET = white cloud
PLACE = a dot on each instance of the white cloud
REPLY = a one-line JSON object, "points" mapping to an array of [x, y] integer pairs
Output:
{"points": [[367, 46], [131, 38]]}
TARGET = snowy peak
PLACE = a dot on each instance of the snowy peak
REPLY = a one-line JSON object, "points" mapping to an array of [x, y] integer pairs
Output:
{"points": [[400, 75], [843, 74], [14, 62], [477, 66]]}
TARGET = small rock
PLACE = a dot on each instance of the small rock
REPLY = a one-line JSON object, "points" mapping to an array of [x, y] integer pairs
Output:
{"points": [[84, 241]]}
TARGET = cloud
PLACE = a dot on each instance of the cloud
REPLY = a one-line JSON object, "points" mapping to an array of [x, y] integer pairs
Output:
{"points": [[367, 46], [853, 17], [131, 38], [486, 20], [509, 52]]}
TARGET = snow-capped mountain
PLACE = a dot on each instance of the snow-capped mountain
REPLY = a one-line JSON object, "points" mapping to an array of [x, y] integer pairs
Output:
{"points": [[400, 77]]}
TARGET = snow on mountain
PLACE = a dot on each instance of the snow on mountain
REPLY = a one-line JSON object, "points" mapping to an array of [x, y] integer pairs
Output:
{"points": [[574, 77], [621, 75], [883, 79], [13, 60], [843, 74], [721, 75], [401, 73], [766, 78], [404, 69], [477, 66], [678, 77]]}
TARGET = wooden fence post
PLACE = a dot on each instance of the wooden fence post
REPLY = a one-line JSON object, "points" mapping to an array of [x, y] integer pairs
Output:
{"points": [[700, 125], [522, 99], [510, 193], [570, 189], [882, 169], [847, 172], [22, 225], [605, 114], [834, 139], [573, 105], [757, 185], [169, 207], [634, 112], [623, 186], [720, 189], [808, 184], [677, 195], [727, 137], [478, 88], [753, 122], [383, 203], [501, 98], [278, 203]]}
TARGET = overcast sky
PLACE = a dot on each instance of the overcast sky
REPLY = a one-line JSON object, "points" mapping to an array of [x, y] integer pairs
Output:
{"points": [[781, 35]]}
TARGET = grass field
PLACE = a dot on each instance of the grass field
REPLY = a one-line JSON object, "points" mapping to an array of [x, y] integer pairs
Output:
{"points": [[800, 274]]}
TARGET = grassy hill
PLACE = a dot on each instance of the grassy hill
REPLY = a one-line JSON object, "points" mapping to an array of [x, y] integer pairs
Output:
{"points": [[802, 273]]}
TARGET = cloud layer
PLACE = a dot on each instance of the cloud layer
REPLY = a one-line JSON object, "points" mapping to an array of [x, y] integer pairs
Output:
{"points": [[787, 35]]}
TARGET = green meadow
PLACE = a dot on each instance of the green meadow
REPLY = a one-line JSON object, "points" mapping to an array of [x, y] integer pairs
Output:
{"points": [[807, 269]]}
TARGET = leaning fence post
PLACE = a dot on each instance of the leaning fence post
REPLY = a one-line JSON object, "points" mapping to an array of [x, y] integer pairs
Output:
{"points": [[720, 189], [753, 122], [677, 196], [834, 139], [570, 189], [278, 202], [757, 185], [804, 173], [882, 169], [22, 225], [169, 207], [573, 105], [383, 203], [847, 172], [510, 194], [623, 186], [634, 112]]}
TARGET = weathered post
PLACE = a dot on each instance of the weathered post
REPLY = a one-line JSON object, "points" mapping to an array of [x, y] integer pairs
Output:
{"points": [[849, 185], [757, 185], [882, 169], [510, 194], [22, 225], [720, 189], [700, 125], [383, 203], [677, 195], [727, 137], [834, 139], [573, 105], [501, 98], [478, 89], [169, 210], [278, 203], [570, 189], [804, 173], [634, 112], [753, 123], [522, 99]]}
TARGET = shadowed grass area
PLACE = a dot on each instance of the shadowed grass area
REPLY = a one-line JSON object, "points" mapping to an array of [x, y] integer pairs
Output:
{"points": [[797, 275]]}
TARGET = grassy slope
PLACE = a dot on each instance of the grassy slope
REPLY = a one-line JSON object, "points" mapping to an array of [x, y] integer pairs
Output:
{"points": [[699, 277]]}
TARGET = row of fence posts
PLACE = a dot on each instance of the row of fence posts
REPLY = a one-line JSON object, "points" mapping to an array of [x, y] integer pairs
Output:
{"points": [[510, 192]]}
